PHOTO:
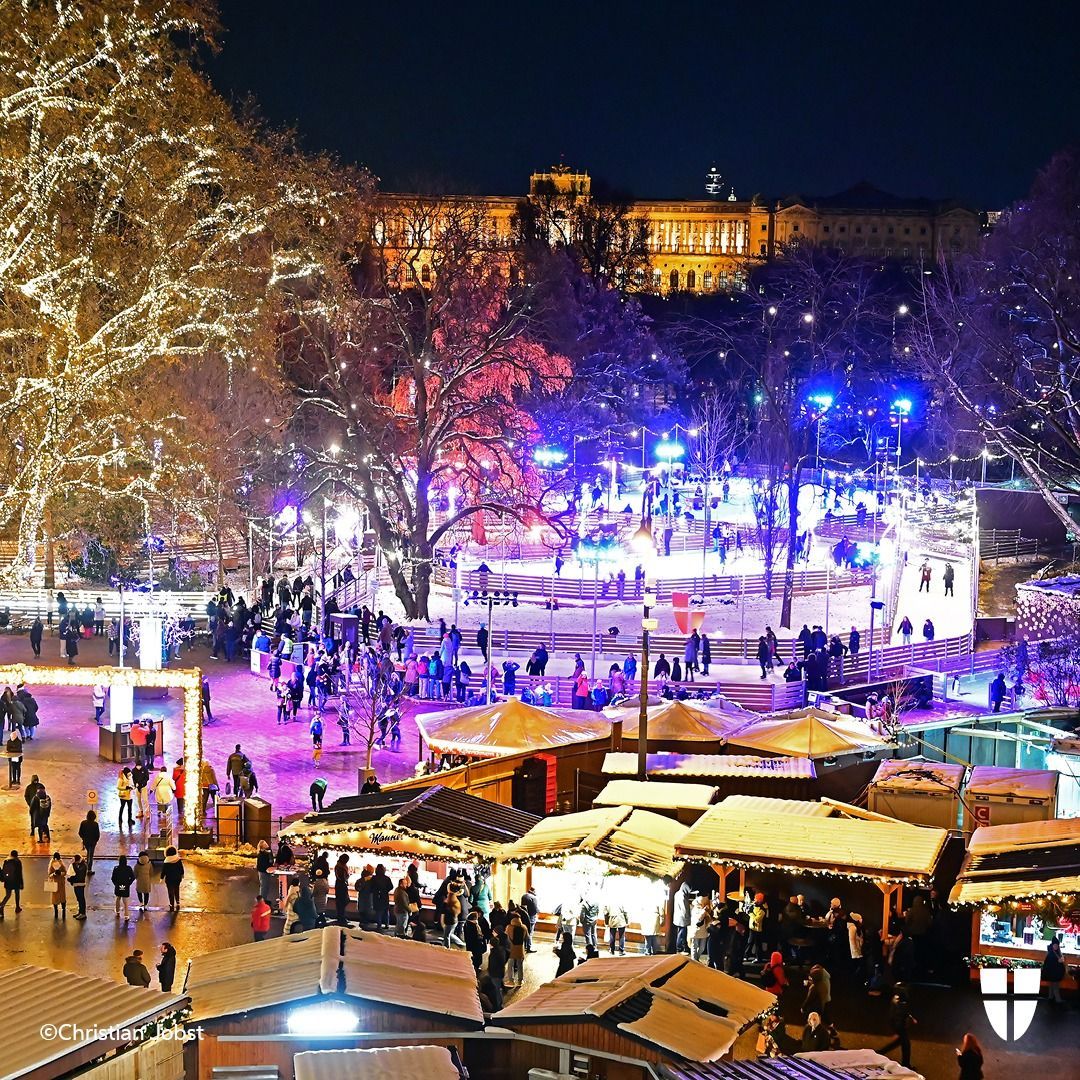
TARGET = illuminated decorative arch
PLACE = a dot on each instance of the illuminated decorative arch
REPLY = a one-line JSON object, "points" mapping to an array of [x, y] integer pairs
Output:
{"points": [[187, 679]]}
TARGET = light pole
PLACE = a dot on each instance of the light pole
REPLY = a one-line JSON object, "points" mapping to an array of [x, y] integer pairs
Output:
{"points": [[985, 457], [823, 403], [902, 408]]}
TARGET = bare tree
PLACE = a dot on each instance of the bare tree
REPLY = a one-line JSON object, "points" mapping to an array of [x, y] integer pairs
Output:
{"points": [[999, 335], [370, 705]]}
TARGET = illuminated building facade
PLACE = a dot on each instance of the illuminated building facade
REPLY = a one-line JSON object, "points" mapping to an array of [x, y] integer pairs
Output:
{"points": [[704, 245]]}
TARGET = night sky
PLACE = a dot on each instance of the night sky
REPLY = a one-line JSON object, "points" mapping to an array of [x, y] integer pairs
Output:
{"points": [[942, 99]]}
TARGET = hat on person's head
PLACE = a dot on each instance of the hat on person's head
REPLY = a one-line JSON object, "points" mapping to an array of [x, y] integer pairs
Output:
{"points": [[759, 898], [137, 952]]}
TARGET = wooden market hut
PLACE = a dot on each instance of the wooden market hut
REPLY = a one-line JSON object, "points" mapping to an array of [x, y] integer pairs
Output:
{"points": [[738, 835], [684, 803], [259, 1004], [1022, 884], [385, 1063], [436, 827], [621, 1018]]}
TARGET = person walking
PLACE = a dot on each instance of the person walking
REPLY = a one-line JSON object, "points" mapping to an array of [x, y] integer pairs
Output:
{"points": [[11, 876], [773, 977], [144, 868], [260, 919], [997, 692], [166, 966], [906, 630], [89, 834], [949, 577], [29, 795], [925, 574], [135, 973], [234, 766], [164, 789], [56, 885], [172, 873], [77, 879], [969, 1058], [40, 811], [140, 777], [179, 787], [901, 1021], [764, 656], [37, 631], [928, 630]]}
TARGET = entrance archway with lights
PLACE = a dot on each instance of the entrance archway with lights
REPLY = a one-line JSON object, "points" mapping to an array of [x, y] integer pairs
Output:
{"points": [[188, 680]]}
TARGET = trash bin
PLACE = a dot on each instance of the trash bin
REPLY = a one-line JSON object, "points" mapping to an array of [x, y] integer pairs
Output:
{"points": [[228, 821], [256, 820]]}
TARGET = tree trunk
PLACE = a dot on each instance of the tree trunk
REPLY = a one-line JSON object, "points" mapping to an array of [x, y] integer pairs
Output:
{"points": [[50, 552], [789, 564], [402, 588]]}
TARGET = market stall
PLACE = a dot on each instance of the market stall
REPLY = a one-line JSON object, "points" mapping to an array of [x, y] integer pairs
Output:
{"points": [[1023, 882], [615, 856], [506, 727], [809, 733], [918, 791], [681, 725], [437, 829], [763, 835], [683, 802], [1000, 796]]}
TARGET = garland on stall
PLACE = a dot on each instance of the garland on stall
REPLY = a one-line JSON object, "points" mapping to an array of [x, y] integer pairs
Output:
{"points": [[982, 960]]}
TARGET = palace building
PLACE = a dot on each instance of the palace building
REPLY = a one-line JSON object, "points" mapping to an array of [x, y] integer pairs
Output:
{"points": [[707, 245]]}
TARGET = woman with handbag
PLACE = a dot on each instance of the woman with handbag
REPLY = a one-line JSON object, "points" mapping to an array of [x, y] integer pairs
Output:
{"points": [[56, 884]]}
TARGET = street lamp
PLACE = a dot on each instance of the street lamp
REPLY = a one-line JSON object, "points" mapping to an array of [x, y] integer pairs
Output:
{"points": [[902, 408]]}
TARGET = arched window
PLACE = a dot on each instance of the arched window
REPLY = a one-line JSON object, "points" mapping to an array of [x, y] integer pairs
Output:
{"points": [[673, 281], [425, 275], [706, 280], [691, 279]]}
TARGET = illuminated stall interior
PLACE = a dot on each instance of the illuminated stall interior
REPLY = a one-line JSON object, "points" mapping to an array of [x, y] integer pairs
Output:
{"points": [[437, 828], [613, 855], [784, 836], [1023, 882]]}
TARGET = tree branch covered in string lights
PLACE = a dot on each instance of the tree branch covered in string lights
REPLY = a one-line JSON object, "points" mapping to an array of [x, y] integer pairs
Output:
{"points": [[134, 210]]}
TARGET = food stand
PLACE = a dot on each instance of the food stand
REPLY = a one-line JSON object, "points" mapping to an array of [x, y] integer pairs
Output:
{"points": [[918, 791], [1023, 883], [682, 802], [747, 834], [611, 855], [437, 829]]}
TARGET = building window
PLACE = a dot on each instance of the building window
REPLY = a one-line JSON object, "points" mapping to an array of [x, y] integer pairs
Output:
{"points": [[740, 279], [907, 230], [425, 275], [922, 231], [873, 228], [410, 273], [706, 280], [906, 251], [764, 249], [639, 278], [673, 281], [794, 228], [691, 279], [842, 228], [656, 280], [763, 227], [890, 230], [724, 280], [825, 228], [888, 253], [858, 228]]}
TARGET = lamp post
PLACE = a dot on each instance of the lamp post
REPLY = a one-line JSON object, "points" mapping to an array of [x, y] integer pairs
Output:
{"points": [[902, 408], [823, 403]]}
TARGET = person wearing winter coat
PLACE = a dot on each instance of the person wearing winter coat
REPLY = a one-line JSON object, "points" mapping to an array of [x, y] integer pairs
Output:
{"points": [[77, 879], [818, 994], [473, 936], [125, 789], [690, 654], [702, 919], [681, 916], [1053, 970], [123, 877], [774, 978], [260, 919], [616, 920], [815, 1036], [144, 870], [341, 889], [11, 874], [135, 973], [172, 873], [567, 956], [291, 918], [40, 811], [89, 834], [517, 934], [304, 906], [56, 884], [166, 967], [164, 789]]}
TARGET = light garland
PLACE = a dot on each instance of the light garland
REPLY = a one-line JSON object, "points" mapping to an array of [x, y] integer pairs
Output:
{"points": [[187, 679], [876, 879]]}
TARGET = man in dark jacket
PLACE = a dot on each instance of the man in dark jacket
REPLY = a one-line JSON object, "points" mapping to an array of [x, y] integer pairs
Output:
{"points": [[29, 795], [37, 629], [805, 640], [12, 876], [482, 640], [31, 706], [89, 834], [135, 973]]}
